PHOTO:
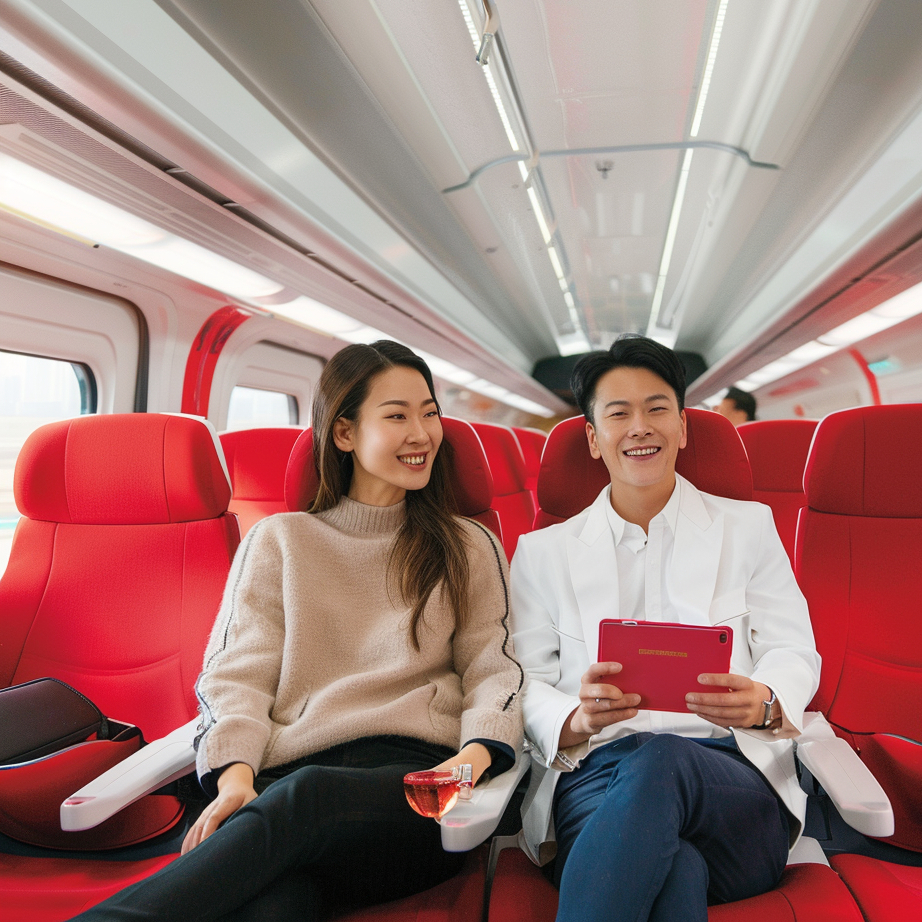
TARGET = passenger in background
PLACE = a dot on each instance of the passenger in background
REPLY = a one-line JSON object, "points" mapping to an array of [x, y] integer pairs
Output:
{"points": [[357, 642], [656, 814], [738, 406]]}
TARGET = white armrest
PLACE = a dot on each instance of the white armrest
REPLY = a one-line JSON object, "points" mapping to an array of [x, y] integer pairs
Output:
{"points": [[157, 764], [845, 778], [471, 822]]}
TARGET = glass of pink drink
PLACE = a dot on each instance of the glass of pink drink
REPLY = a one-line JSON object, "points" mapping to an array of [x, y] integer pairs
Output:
{"points": [[434, 793]]}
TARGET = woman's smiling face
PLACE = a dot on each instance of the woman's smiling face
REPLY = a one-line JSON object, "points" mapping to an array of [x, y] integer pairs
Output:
{"points": [[394, 440]]}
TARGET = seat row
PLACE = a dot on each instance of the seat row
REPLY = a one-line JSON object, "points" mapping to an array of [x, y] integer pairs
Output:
{"points": [[123, 613], [863, 634], [776, 449], [258, 458]]}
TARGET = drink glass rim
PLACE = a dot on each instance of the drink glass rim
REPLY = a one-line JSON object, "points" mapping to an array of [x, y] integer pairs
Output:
{"points": [[430, 776]]}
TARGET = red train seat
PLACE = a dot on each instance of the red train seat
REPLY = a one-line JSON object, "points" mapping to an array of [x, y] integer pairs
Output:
{"points": [[885, 892], [473, 483], [511, 497], [714, 460], [115, 576], [859, 543], [256, 461], [531, 441], [777, 450]]}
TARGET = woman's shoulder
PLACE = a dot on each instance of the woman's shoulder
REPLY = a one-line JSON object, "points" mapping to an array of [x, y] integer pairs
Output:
{"points": [[281, 527], [480, 539]]}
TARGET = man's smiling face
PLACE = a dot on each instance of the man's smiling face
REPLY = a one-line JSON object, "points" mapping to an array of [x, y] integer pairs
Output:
{"points": [[638, 429]]}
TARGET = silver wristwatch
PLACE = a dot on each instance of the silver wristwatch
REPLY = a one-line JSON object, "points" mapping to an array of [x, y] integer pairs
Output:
{"points": [[767, 719]]}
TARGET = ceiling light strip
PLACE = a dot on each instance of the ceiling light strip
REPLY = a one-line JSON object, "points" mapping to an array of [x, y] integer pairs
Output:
{"points": [[524, 168], [709, 67], [476, 40], [679, 200], [539, 214], [671, 232]]}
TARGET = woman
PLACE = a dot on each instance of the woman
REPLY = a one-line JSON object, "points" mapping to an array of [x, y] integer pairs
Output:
{"points": [[356, 642]]}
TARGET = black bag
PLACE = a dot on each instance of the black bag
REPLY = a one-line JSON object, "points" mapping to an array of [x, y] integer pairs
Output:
{"points": [[44, 716]]}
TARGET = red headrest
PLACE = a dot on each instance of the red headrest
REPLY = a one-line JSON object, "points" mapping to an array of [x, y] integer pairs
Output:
{"points": [[531, 441], [507, 463], [257, 460], [473, 483], [714, 460], [778, 450], [301, 480], [122, 469], [864, 461]]}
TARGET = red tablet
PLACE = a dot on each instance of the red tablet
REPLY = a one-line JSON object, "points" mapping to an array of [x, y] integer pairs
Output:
{"points": [[661, 662]]}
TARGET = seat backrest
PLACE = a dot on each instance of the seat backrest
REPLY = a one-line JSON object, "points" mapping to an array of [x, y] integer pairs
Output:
{"points": [[256, 461], [119, 562], [713, 459], [859, 544], [511, 497], [473, 482], [777, 450], [531, 441]]}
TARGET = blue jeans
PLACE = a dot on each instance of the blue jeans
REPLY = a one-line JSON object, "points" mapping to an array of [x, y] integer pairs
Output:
{"points": [[656, 826]]}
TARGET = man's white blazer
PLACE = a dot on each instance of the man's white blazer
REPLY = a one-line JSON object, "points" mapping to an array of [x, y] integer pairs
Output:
{"points": [[728, 568]]}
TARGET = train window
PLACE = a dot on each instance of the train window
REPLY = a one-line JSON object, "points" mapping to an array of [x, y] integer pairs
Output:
{"points": [[252, 406], [33, 391]]}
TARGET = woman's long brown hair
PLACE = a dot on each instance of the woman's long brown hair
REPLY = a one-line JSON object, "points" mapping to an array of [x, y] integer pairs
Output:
{"points": [[429, 551]]}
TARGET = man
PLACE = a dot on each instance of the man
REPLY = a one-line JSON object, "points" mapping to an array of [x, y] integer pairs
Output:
{"points": [[656, 814], [738, 406]]}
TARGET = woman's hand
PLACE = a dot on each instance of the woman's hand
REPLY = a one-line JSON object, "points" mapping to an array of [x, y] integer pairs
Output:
{"points": [[475, 754], [601, 705], [235, 790], [741, 707]]}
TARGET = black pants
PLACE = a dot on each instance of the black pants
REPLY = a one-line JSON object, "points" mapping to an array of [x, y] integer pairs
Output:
{"points": [[336, 832]]}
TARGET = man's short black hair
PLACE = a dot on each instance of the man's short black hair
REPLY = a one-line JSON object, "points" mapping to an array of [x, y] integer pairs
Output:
{"points": [[744, 401], [630, 350]]}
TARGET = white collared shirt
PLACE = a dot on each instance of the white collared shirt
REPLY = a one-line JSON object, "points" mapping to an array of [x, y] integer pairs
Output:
{"points": [[644, 561]]}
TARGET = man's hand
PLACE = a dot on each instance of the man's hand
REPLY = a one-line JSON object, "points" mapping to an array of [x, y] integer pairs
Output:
{"points": [[235, 790], [601, 705], [740, 707]]}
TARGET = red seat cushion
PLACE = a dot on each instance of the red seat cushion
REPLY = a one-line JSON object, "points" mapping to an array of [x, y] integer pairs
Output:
{"points": [[806, 893], [256, 461], [714, 460], [777, 450], [884, 892], [55, 889]]}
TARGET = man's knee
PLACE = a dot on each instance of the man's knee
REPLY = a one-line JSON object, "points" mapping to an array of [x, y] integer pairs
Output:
{"points": [[665, 752], [662, 765]]}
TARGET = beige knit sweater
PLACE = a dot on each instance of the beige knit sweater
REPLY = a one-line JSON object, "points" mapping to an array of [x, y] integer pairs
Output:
{"points": [[310, 650]]}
